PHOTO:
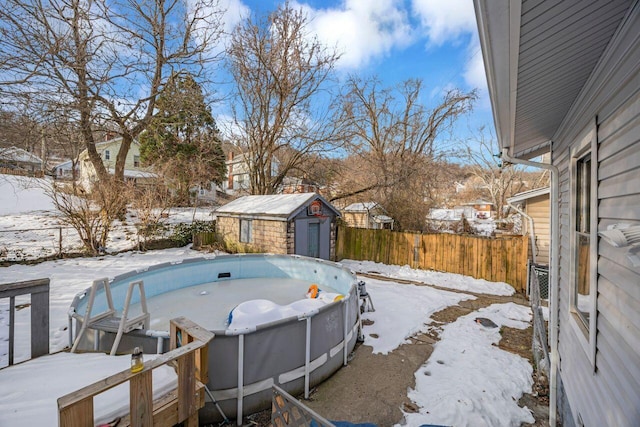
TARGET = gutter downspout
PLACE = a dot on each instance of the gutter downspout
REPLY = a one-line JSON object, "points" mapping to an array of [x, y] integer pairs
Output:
{"points": [[532, 234], [553, 273]]}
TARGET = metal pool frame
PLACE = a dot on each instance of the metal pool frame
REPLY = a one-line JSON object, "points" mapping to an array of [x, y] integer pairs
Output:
{"points": [[294, 353]]}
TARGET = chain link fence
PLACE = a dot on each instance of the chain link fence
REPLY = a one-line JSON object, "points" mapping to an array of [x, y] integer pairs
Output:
{"points": [[33, 244], [539, 277]]}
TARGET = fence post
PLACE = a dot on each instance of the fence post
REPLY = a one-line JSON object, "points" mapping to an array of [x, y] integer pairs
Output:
{"points": [[59, 242]]}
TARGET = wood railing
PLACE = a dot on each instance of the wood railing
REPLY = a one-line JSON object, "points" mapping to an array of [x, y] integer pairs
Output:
{"points": [[179, 406], [39, 291]]}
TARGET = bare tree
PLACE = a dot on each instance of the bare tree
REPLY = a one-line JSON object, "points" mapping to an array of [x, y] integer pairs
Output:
{"points": [[106, 60], [91, 215], [280, 72], [500, 181], [395, 145]]}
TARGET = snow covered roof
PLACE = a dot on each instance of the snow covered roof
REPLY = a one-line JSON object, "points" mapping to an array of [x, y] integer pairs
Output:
{"points": [[16, 154], [478, 202], [525, 195], [382, 218], [277, 205], [360, 207]]}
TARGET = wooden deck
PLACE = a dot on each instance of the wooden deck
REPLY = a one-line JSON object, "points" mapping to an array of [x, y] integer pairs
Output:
{"points": [[188, 355]]}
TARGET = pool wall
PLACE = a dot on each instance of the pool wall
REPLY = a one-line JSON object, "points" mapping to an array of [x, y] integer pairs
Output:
{"points": [[295, 353]]}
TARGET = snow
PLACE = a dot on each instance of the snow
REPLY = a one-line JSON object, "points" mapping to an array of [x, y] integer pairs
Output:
{"points": [[30, 227], [467, 380], [21, 194], [444, 280], [402, 311], [278, 204], [484, 381], [31, 400]]}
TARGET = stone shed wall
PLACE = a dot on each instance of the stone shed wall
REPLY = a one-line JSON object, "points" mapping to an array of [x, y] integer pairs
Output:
{"points": [[266, 236]]}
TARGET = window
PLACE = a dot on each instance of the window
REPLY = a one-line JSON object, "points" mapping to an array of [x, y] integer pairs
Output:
{"points": [[582, 240], [245, 230], [136, 161], [107, 155]]}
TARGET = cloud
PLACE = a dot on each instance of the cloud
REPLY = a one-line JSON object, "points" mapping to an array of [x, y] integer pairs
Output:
{"points": [[453, 21], [235, 11], [445, 20], [361, 30], [474, 73]]}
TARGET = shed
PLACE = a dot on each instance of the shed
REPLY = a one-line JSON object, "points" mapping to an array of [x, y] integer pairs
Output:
{"points": [[302, 224], [367, 215], [534, 205]]}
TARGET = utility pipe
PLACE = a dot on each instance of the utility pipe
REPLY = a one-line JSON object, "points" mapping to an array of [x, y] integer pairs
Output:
{"points": [[553, 274]]}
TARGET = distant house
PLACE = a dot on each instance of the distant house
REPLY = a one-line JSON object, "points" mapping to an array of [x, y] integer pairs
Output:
{"points": [[367, 215], [302, 224], [108, 150], [64, 170], [17, 158], [238, 168], [291, 185], [534, 205], [481, 209], [564, 78]]}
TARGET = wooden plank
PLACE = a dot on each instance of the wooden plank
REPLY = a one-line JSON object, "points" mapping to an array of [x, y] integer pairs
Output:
{"points": [[141, 399], [80, 414], [40, 323], [123, 376], [23, 288], [186, 386]]}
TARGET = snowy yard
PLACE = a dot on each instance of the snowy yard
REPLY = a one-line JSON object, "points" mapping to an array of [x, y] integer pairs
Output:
{"points": [[468, 380]]}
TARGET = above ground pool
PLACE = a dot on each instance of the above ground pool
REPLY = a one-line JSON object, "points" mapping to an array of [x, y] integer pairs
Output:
{"points": [[278, 319]]}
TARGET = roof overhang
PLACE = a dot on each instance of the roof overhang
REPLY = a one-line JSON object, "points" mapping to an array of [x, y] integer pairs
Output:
{"points": [[538, 57], [521, 197]]}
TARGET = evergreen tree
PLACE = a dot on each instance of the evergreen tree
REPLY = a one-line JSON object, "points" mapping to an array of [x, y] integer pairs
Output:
{"points": [[182, 141]]}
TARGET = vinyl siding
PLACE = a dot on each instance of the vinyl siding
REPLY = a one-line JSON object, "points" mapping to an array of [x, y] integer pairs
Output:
{"points": [[610, 393], [538, 209]]}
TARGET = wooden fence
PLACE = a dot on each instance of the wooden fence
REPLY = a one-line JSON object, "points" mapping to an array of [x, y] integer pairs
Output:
{"points": [[497, 259]]}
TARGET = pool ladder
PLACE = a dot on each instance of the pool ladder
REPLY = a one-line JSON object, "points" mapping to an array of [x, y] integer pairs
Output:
{"points": [[108, 320]]}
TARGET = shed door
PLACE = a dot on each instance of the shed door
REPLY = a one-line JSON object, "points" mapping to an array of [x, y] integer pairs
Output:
{"points": [[313, 242], [312, 237]]}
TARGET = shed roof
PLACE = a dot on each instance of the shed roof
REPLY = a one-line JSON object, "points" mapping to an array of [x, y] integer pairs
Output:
{"points": [[276, 205]]}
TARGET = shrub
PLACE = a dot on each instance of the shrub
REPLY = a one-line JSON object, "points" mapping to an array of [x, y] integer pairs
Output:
{"points": [[183, 233]]}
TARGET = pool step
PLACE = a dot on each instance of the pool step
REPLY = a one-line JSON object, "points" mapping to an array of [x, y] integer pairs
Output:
{"points": [[108, 320]]}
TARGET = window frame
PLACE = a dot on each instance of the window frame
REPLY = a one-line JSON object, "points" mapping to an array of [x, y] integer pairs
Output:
{"points": [[107, 155], [586, 329]]}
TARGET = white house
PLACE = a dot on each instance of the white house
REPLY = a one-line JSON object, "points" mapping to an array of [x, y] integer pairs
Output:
{"points": [[108, 150], [564, 78]]}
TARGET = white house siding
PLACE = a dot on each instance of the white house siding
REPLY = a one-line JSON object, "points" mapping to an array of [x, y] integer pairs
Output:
{"points": [[609, 392]]}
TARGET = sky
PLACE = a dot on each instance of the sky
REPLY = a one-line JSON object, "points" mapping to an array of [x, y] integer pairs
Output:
{"points": [[433, 40], [467, 380]]}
